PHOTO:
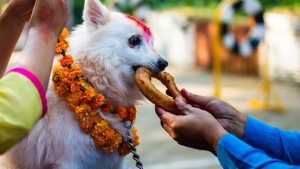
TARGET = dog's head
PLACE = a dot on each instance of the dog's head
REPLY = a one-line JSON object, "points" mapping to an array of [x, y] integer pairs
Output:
{"points": [[125, 37], [114, 43]]}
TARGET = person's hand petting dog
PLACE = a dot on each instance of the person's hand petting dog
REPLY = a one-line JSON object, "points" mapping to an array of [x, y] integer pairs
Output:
{"points": [[201, 124]]}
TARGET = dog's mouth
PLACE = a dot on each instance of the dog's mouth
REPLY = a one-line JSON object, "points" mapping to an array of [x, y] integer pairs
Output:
{"points": [[135, 68]]}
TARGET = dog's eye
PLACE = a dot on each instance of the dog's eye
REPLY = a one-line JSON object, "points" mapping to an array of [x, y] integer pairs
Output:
{"points": [[134, 40]]}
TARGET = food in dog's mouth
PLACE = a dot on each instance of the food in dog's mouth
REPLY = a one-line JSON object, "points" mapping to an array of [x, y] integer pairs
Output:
{"points": [[142, 79]]}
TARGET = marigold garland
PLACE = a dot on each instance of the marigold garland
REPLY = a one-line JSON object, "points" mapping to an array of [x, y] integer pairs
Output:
{"points": [[85, 102]]}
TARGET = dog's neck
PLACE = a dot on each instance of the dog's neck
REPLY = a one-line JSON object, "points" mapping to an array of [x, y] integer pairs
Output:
{"points": [[109, 81]]}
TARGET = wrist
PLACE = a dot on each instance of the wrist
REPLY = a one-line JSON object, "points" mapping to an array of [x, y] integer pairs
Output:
{"points": [[42, 36], [242, 122], [215, 137]]}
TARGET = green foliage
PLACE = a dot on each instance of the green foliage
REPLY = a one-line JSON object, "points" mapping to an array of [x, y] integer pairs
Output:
{"points": [[78, 6], [197, 7]]}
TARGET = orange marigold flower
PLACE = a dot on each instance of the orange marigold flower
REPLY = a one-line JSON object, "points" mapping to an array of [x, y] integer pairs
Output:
{"points": [[62, 90], [88, 95], [106, 107], [75, 86], [86, 125], [62, 45], [97, 101], [131, 114], [97, 118], [79, 116], [71, 74], [64, 34], [121, 113], [66, 61], [125, 149], [74, 100]]}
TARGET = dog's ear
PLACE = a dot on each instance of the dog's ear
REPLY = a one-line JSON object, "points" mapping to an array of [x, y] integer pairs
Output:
{"points": [[95, 14]]}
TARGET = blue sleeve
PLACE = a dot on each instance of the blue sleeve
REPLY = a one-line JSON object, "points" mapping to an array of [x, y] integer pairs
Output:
{"points": [[234, 153], [275, 142]]}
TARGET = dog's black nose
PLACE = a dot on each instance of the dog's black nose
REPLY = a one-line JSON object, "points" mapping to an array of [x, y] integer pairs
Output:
{"points": [[162, 64]]}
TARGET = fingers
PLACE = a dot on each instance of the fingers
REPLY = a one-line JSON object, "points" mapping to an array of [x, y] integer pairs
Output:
{"points": [[166, 117], [182, 106], [194, 99], [167, 128]]}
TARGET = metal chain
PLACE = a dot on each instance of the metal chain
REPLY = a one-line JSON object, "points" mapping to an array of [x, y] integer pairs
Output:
{"points": [[136, 157]]}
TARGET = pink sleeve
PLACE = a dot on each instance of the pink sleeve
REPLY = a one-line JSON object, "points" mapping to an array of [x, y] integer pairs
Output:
{"points": [[36, 83]]}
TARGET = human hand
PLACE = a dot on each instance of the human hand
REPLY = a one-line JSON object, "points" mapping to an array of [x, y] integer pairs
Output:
{"points": [[193, 128], [20, 9], [49, 18], [230, 119]]}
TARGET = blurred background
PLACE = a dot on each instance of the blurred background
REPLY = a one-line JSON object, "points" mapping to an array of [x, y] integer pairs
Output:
{"points": [[264, 85]]}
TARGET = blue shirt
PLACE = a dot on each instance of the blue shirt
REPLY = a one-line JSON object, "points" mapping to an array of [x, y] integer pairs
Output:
{"points": [[263, 146]]}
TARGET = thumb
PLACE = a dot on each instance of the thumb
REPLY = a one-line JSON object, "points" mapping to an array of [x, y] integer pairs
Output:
{"points": [[182, 106], [194, 99]]}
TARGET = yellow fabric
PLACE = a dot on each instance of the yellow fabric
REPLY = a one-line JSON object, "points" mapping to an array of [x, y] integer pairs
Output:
{"points": [[20, 109]]}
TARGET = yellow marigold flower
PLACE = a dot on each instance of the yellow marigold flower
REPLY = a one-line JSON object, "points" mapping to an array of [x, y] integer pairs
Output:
{"points": [[135, 137], [97, 101], [83, 108], [121, 113], [106, 107], [66, 61]]}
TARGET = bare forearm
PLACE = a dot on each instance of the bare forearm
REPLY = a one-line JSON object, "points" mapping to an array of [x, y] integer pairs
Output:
{"points": [[37, 56], [10, 31]]}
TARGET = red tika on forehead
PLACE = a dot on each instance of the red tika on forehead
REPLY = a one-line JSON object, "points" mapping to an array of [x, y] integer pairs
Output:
{"points": [[141, 24]]}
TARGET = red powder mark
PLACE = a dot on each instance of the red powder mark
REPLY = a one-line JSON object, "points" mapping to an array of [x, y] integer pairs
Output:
{"points": [[141, 24], [45, 18], [142, 81]]}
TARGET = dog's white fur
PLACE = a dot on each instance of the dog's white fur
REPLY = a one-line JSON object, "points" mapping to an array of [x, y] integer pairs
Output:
{"points": [[99, 46]]}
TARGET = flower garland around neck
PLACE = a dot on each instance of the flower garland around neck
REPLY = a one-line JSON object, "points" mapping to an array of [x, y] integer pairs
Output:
{"points": [[85, 102]]}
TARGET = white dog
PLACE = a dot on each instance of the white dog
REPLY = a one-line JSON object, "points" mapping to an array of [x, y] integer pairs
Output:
{"points": [[109, 47]]}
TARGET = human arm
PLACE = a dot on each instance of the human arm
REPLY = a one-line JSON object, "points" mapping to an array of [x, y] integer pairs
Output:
{"points": [[234, 153], [274, 142], [47, 22], [12, 22], [22, 100]]}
